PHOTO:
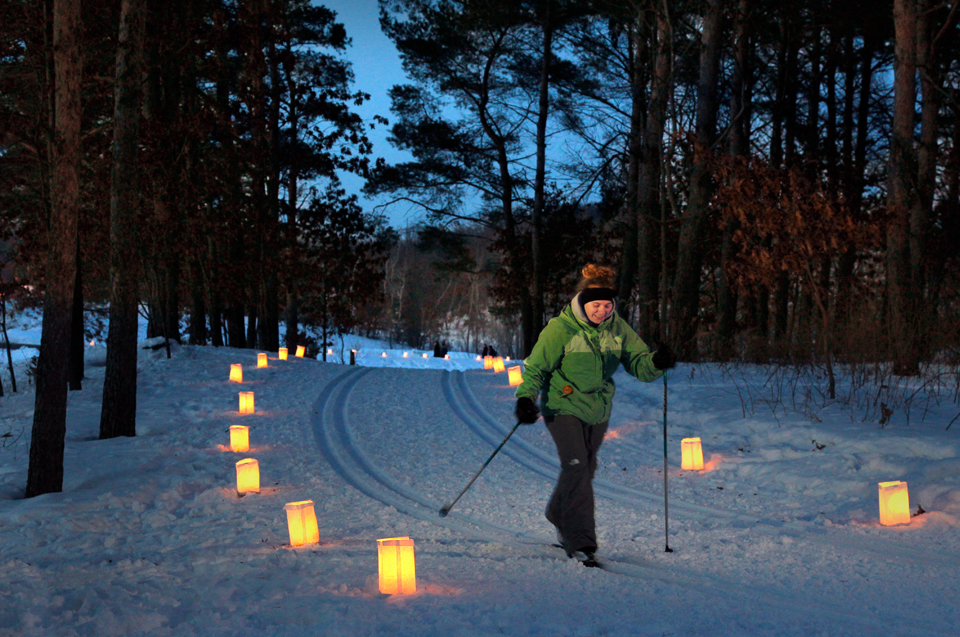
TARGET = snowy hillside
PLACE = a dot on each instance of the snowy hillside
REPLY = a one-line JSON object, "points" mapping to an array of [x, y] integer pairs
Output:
{"points": [[779, 535]]}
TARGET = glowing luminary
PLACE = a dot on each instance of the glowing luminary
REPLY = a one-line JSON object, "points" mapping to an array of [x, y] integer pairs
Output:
{"points": [[398, 575], [330, 352], [301, 350], [261, 360], [507, 359], [515, 375], [894, 503], [479, 358], [236, 373], [302, 523], [248, 476], [384, 355], [446, 357], [425, 355], [283, 353], [691, 454], [488, 362], [498, 365], [406, 354], [246, 402], [239, 438]]}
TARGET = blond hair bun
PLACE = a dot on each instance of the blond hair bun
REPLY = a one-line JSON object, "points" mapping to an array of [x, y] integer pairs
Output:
{"points": [[593, 271], [597, 276]]}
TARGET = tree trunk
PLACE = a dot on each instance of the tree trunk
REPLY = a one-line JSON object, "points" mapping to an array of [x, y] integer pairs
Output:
{"points": [[931, 91], [198, 309], [252, 321], [77, 341], [45, 471], [693, 228], [631, 212], [902, 195], [212, 285], [649, 231], [539, 184], [739, 147], [813, 105], [6, 342], [118, 416], [235, 331], [268, 329], [288, 232], [856, 171], [293, 319]]}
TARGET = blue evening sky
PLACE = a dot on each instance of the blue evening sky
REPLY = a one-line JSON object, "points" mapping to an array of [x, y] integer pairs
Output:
{"points": [[376, 67]]}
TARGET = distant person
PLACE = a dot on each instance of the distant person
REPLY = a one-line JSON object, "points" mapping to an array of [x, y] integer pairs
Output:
{"points": [[492, 351], [444, 349], [571, 368], [436, 350], [486, 351]]}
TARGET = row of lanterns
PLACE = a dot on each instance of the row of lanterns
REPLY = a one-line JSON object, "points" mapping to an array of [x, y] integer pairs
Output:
{"points": [[894, 496], [498, 364], [395, 556]]}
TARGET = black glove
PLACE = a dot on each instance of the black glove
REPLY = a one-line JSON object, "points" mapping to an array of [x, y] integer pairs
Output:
{"points": [[526, 411], [664, 358]]}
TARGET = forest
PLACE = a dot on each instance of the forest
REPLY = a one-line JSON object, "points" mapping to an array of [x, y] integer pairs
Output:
{"points": [[775, 182]]}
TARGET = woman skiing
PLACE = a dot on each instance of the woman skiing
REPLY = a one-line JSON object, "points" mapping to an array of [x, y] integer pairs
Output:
{"points": [[571, 367]]}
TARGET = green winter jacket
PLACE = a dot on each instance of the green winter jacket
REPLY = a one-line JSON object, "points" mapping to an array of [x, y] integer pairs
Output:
{"points": [[572, 364]]}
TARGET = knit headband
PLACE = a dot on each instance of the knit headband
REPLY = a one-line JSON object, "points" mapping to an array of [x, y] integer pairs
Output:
{"points": [[597, 294]]}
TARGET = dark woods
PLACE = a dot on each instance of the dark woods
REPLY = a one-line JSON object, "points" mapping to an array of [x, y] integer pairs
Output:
{"points": [[183, 157], [774, 181]]}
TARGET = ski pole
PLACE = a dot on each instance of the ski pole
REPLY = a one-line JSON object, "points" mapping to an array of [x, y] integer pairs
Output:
{"points": [[666, 500], [446, 508]]}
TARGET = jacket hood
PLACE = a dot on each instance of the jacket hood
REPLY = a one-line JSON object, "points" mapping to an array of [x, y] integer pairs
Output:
{"points": [[577, 311]]}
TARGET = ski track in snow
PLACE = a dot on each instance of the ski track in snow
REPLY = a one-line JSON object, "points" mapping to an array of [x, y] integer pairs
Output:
{"points": [[489, 428], [331, 430], [149, 536], [353, 465]]}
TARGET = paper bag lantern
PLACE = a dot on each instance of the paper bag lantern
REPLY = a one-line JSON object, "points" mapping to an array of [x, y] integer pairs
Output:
{"points": [[479, 358], [406, 354], [261, 360], [283, 353], [446, 357], [301, 350], [498, 365], [425, 355], [248, 476], [398, 575], [236, 373], [515, 376], [894, 503], [691, 454], [384, 355], [488, 362], [246, 402], [239, 438], [302, 523]]}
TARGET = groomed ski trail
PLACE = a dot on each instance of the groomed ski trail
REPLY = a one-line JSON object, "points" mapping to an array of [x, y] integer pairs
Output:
{"points": [[489, 428], [339, 447]]}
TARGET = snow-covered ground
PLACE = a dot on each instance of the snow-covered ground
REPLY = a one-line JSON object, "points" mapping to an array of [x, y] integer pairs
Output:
{"points": [[779, 535]]}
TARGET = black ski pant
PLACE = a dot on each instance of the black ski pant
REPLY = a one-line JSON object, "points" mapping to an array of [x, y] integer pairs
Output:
{"points": [[571, 506]]}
